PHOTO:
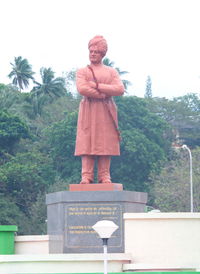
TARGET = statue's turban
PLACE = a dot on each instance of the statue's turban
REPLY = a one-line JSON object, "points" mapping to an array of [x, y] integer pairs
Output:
{"points": [[101, 44]]}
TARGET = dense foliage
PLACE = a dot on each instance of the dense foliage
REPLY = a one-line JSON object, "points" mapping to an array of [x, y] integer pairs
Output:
{"points": [[12, 129], [171, 189], [143, 146]]}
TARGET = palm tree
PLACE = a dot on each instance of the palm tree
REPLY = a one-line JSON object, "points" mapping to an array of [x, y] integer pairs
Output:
{"points": [[124, 81], [21, 72], [108, 62], [48, 90]]}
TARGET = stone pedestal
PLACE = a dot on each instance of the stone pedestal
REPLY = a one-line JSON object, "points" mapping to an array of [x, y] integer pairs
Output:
{"points": [[71, 215], [96, 187]]}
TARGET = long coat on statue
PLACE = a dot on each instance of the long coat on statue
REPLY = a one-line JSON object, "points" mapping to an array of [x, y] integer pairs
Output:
{"points": [[97, 119]]}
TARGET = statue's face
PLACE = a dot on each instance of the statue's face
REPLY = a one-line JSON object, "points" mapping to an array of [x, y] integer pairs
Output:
{"points": [[95, 55]]}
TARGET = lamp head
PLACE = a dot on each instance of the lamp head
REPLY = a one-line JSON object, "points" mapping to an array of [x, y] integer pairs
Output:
{"points": [[105, 228]]}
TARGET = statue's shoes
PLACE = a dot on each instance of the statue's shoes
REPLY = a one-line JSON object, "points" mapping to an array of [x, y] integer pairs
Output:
{"points": [[85, 181], [105, 182]]}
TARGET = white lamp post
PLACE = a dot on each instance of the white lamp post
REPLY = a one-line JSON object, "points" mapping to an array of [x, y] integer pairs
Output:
{"points": [[191, 182], [105, 229]]}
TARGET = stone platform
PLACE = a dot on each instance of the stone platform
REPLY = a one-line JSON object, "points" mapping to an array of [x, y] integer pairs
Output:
{"points": [[61, 263], [71, 215], [96, 187]]}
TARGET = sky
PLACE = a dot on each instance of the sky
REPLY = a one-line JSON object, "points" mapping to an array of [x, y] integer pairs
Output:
{"points": [[159, 38]]}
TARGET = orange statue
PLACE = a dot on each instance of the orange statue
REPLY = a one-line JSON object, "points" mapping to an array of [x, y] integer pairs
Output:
{"points": [[97, 131]]}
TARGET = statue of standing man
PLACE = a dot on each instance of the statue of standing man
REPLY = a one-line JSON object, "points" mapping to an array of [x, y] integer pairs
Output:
{"points": [[97, 130]]}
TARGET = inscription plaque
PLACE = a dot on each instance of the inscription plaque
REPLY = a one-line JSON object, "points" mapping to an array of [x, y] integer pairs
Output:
{"points": [[79, 220]]}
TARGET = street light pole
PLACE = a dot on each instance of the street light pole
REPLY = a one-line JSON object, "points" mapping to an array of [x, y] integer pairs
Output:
{"points": [[105, 229], [105, 252], [191, 181]]}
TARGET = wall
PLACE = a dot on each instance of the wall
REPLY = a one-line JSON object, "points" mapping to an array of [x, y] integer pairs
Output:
{"points": [[153, 241], [61, 263], [32, 244], [163, 240]]}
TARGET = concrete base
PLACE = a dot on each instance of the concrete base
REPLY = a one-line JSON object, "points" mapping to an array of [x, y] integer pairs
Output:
{"points": [[96, 187], [71, 215], [61, 263]]}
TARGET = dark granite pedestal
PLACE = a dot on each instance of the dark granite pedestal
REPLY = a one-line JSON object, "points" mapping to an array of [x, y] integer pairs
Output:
{"points": [[71, 215]]}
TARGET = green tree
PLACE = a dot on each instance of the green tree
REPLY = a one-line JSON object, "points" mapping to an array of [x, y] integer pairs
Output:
{"points": [[9, 97], [148, 90], [24, 176], [61, 137], [38, 215], [11, 215], [183, 114], [45, 92], [171, 188], [21, 72], [143, 146], [188, 124], [108, 62], [12, 129], [38, 212], [192, 100], [15, 102], [70, 77]]}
